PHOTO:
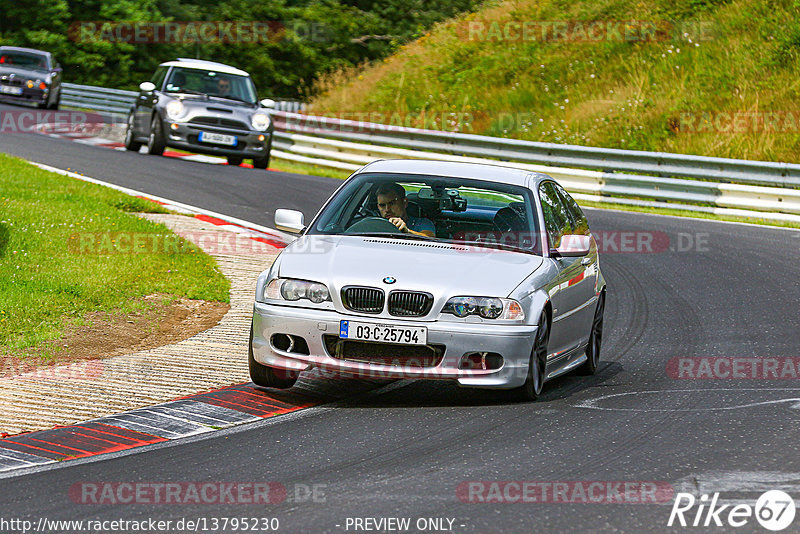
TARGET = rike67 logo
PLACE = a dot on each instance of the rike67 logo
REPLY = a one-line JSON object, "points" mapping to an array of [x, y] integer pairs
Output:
{"points": [[774, 510]]}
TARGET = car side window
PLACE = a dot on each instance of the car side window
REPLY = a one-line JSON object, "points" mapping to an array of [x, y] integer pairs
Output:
{"points": [[580, 224], [556, 218], [158, 77]]}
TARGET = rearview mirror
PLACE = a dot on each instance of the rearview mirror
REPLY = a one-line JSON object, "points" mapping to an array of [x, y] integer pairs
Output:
{"points": [[289, 221], [268, 103], [147, 87], [574, 245]]}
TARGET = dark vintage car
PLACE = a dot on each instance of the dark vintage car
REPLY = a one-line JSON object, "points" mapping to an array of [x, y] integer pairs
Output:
{"points": [[204, 107], [30, 76]]}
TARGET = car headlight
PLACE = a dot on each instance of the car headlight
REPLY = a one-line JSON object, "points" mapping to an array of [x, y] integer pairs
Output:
{"points": [[175, 109], [486, 307], [260, 121], [292, 290]]}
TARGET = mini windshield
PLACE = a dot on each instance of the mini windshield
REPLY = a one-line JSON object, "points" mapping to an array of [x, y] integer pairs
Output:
{"points": [[212, 83], [455, 210], [27, 61]]}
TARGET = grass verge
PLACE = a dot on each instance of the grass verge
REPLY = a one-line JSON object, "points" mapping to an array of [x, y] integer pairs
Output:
{"points": [[47, 282]]}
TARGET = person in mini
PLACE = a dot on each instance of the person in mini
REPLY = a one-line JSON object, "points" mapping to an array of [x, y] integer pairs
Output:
{"points": [[224, 86], [393, 204]]}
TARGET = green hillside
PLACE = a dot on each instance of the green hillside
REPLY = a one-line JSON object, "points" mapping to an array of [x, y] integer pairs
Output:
{"points": [[708, 77]]}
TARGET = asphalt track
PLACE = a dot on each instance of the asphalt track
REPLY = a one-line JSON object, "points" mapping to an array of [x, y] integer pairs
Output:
{"points": [[406, 449]]}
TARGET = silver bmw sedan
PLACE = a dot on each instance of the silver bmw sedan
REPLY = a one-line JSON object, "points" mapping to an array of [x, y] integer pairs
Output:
{"points": [[482, 274]]}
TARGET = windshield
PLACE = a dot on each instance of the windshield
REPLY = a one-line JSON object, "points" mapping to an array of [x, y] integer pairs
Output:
{"points": [[453, 210], [27, 61], [212, 83]]}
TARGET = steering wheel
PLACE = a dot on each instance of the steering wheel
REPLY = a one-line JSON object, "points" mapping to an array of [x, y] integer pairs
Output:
{"points": [[372, 224]]}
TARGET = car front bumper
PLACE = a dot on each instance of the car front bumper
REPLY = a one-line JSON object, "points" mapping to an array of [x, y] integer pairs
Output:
{"points": [[512, 342], [31, 96], [186, 137]]}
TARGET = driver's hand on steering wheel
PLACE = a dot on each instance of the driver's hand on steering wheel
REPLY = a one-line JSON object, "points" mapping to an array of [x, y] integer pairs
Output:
{"points": [[399, 223]]}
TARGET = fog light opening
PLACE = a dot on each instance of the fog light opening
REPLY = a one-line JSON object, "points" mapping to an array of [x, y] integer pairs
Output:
{"points": [[261, 138], [481, 361], [174, 126], [289, 343]]}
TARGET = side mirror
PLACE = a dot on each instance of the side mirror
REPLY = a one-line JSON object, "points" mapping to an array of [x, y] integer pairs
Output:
{"points": [[58, 68], [289, 221], [574, 245], [268, 103], [147, 87]]}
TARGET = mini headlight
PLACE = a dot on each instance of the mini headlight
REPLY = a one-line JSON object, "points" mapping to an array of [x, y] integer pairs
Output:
{"points": [[175, 109], [29, 83], [260, 121], [486, 307]]}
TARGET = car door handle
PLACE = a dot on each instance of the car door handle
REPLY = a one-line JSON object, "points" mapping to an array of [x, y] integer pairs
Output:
{"points": [[586, 261]]}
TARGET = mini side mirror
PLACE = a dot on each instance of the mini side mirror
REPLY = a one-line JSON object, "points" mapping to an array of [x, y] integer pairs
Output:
{"points": [[574, 245], [268, 103], [147, 87], [289, 221]]}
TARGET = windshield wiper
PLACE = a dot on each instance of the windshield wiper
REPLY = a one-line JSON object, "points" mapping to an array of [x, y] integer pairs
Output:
{"points": [[189, 91], [229, 97], [395, 235], [494, 244]]}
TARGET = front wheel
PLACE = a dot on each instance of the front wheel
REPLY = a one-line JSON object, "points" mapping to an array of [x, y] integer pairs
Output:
{"points": [[534, 383], [156, 142], [595, 340], [130, 137], [266, 376], [263, 163]]}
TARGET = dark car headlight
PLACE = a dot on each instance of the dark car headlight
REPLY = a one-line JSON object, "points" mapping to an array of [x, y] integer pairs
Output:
{"points": [[486, 307], [294, 290]]}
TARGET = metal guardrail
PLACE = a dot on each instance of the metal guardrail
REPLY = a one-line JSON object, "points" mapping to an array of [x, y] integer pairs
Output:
{"points": [[572, 156], [120, 101], [327, 147], [97, 98], [729, 186]]}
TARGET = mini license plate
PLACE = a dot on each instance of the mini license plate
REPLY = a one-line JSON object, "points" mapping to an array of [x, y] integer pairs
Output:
{"points": [[383, 333], [7, 89], [218, 139]]}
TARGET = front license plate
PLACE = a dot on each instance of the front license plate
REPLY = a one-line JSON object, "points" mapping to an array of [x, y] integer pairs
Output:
{"points": [[383, 333], [218, 139], [7, 89]]}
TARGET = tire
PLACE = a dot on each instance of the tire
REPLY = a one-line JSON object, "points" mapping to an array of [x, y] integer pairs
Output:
{"points": [[595, 340], [130, 139], [266, 376], [263, 163], [155, 142], [235, 160], [534, 383], [56, 103]]}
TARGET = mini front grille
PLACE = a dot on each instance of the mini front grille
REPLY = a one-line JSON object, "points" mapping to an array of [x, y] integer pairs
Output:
{"points": [[363, 299], [216, 121], [421, 356], [409, 303]]}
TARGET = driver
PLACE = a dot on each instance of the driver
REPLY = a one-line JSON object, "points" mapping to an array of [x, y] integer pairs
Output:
{"points": [[224, 86], [392, 203]]}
